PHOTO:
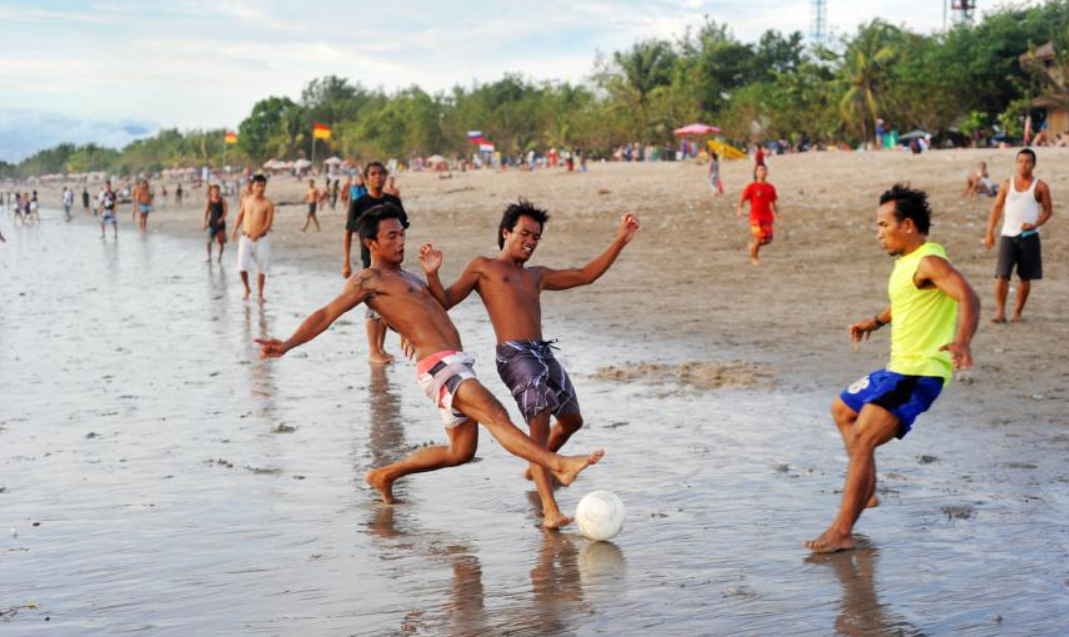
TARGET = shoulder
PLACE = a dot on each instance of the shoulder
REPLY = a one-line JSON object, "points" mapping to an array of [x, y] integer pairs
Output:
{"points": [[366, 279]]}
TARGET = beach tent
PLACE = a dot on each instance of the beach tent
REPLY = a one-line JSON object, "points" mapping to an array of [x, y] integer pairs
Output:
{"points": [[726, 151], [696, 129], [333, 161], [301, 164]]}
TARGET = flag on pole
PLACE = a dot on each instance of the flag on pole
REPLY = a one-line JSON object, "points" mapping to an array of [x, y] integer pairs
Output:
{"points": [[320, 131], [476, 137], [231, 138]]}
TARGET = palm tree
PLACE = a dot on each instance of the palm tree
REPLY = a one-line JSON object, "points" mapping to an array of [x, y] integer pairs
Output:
{"points": [[865, 73]]}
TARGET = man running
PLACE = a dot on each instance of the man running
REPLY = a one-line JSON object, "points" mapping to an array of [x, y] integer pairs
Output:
{"points": [[376, 195], [143, 200], [512, 293], [311, 197], [215, 221], [1027, 203], [108, 199], [445, 372], [930, 340], [763, 210], [256, 214]]}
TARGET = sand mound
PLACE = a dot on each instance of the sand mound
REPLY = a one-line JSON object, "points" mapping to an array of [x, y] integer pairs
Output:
{"points": [[696, 374]]}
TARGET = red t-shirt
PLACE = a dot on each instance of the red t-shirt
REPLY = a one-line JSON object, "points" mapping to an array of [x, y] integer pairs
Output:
{"points": [[761, 197]]}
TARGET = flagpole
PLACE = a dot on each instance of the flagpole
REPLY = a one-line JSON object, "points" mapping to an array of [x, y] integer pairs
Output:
{"points": [[314, 151]]}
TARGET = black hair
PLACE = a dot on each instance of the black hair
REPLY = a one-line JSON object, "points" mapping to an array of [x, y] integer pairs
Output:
{"points": [[367, 168], [368, 225], [1028, 151], [259, 177], [910, 204], [521, 208]]}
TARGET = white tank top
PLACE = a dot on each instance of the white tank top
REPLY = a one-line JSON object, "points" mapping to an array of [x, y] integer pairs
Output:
{"points": [[1021, 207]]}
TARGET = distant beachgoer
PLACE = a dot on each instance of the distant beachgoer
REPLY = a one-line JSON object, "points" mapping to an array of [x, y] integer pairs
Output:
{"points": [[311, 197], [933, 315], [18, 209], [163, 194], [85, 200], [714, 174], [215, 221], [1027, 204], [178, 196], [879, 134], [445, 372], [980, 183], [335, 190], [256, 214], [763, 211], [108, 201], [68, 202], [34, 208], [759, 157], [512, 294], [375, 181], [143, 200]]}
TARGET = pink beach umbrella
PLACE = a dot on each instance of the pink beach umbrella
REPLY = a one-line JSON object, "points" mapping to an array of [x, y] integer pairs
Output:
{"points": [[696, 129]]}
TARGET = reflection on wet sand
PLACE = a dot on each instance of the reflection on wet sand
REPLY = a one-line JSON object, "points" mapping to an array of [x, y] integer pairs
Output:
{"points": [[262, 385], [861, 612], [386, 439]]}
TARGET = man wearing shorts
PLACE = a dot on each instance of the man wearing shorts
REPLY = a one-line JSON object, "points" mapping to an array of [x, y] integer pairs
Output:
{"points": [[512, 293], [255, 217], [763, 210], [930, 340], [215, 221], [311, 197], [143, 200], [108, 200], [1027, 205], [444, 371]]}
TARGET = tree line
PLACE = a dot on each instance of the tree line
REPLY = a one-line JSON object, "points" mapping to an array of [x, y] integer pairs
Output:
{"points": [[967, 79]]}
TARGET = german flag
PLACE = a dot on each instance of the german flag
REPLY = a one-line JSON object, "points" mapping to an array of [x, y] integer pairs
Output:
{"points": [[231, 138], [320, 131]]}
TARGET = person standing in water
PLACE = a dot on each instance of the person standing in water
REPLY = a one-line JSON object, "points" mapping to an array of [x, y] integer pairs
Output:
{"points": [[256, 215], [215, 221]]}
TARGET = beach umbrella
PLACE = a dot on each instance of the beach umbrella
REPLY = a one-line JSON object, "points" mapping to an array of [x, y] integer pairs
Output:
{"points": [[696, 129], [301, 163], [918, 134], [333, 161]]}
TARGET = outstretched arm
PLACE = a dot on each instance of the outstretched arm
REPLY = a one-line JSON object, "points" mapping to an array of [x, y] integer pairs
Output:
{"points": [[574, 277], [946, 277], [431, 260], [357, 290]]}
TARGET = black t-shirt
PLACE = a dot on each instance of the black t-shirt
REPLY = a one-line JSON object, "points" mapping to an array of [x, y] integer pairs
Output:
{"points": [[358, 207]]}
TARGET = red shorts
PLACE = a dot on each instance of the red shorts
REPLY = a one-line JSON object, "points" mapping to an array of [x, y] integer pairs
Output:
{"points": [[761, 231]]}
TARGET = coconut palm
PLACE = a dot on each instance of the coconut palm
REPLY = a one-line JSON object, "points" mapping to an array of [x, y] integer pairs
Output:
{"points": [[865, 72]]}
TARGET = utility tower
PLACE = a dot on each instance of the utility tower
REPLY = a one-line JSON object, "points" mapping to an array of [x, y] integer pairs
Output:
{"points": [[963, 11], [818, 22]]}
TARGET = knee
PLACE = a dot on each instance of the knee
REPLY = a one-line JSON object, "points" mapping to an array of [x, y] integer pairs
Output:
{"points": [[460, 454], [571, 424]]}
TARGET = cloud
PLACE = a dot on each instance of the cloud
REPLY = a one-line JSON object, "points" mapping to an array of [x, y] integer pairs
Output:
{"points": [[24, 132]]}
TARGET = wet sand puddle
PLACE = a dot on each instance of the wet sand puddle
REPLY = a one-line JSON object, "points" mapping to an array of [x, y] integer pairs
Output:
{"points": [[157, 478]]}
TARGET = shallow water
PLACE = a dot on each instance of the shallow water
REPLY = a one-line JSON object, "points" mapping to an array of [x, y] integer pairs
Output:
{"points": [[155, 450]]}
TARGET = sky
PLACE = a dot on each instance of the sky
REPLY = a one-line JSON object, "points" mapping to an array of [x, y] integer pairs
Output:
{"points": [[109, 72]]}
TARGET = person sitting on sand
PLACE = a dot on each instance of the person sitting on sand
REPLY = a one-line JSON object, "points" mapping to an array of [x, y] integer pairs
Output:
{"points": [[256, 215], [512, 294], [215, 221], [980, 183], [445, 372], [933, 315], [763, 210]]}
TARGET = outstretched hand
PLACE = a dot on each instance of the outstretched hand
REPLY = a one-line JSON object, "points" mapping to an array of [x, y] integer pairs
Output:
{"points": [[430, 258], [629, 225], [271, 347], [960, 354]]}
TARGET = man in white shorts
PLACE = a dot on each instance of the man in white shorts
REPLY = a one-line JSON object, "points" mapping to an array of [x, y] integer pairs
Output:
{"points": [[255, 217]]}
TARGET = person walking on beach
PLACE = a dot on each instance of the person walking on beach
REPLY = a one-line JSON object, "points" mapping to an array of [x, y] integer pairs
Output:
{"points": [[512, 294], [1027, 204], [933, 314], [85, 199], [445, 372], [763, 211], [312, 198], [108, 201], [68, 202], [256, 214], [714, 174], [215, 221], [143, 201], [377, 195], [178, 196], [33, 209]]}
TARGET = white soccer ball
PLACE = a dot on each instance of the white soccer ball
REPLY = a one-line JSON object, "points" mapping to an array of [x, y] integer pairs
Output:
{"points": [[600, 515]]}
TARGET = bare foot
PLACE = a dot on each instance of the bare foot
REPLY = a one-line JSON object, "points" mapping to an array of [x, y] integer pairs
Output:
{"points": [[830, 542], [529, 475], [379, 358], [574, 465], [1016, 318], [554, 521], [245, 297], [755, 262], [378, 481], [998, 319], [873, 502]]}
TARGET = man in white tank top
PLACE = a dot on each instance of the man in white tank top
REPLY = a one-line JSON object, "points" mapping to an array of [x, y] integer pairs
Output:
{"points": [[1027, 206]]}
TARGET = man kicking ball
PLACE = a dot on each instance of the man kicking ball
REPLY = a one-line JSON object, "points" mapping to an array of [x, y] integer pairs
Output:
{"points": [[929, 341], [444, 371]]}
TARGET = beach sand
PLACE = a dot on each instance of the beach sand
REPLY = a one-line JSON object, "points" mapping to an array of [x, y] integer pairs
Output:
{"points": [[156, 477]]}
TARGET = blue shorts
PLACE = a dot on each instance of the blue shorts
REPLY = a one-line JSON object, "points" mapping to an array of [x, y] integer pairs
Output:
{"points": [[904, 396]]}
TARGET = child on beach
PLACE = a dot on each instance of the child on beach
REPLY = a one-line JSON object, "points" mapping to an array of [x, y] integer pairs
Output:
{"points": [[763, 211]]}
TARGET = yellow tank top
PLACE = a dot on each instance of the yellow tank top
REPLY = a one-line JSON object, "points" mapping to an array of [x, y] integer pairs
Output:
{"points": [[922, 321]]}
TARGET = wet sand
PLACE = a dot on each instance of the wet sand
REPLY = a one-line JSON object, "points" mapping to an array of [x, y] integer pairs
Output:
{"points": [[182, 486]]}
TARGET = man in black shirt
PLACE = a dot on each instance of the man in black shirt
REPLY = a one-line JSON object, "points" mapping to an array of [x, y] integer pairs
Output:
{"points": [[375, 179]]}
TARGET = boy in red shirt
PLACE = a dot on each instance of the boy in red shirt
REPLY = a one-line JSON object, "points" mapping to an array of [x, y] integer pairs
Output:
{"points": [[763, 210]]}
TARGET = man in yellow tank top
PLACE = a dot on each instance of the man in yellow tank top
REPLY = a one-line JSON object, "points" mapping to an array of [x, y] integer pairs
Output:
{"points": [[933, 315]]}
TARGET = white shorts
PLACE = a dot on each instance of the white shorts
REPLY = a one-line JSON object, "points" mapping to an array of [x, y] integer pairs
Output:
{"points": [[254, 252]]}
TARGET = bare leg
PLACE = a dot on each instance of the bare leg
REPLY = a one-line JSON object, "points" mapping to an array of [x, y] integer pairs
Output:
{"points": [[261, 279], [209, 252], [376, 336], [221, 247], [315, 220], [245, 282], [472, 399], [755, 246], [563, 428], [845, 418], [552, 518], [1024, 287], [874, 426], [463, 441], [1002, 290]]}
